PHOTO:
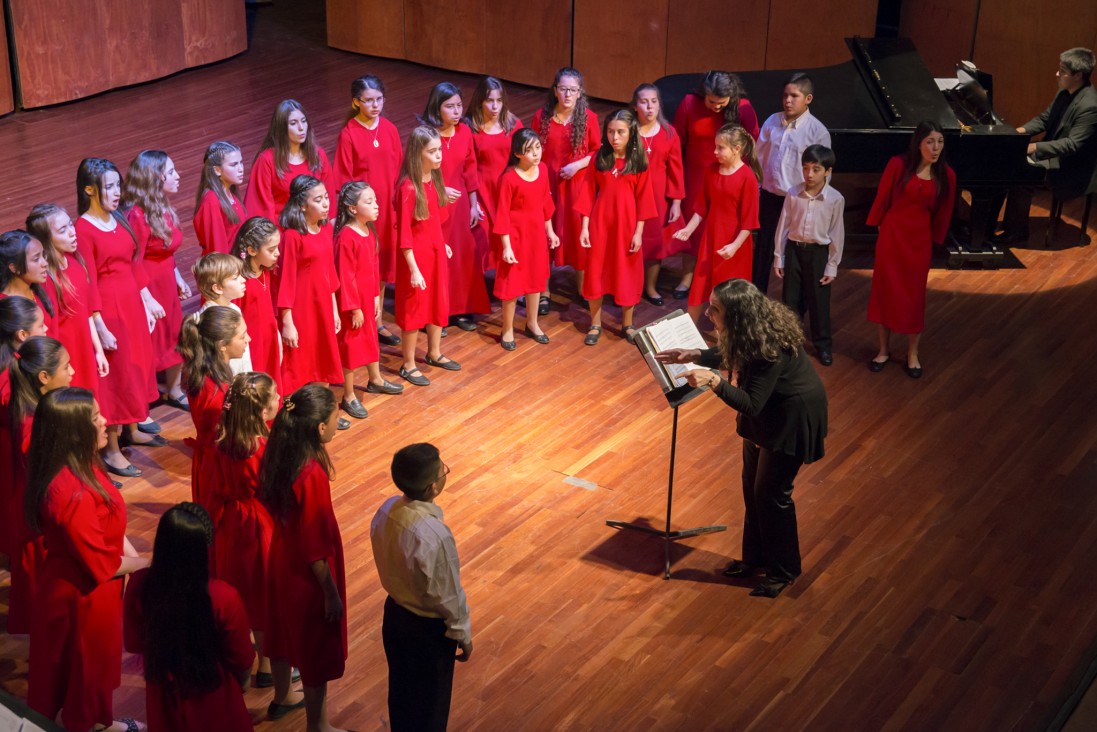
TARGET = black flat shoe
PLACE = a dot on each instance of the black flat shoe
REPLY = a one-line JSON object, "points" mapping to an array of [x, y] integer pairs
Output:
{"points": [[593, 334], [386, 387], [449, 364], [124, 440], [465, 324], [149, 428], [354, 409], [914, 372], [681, 294], [543, 306], [656, 301], [826, 358], [630, 334], [738, 568], [770, 588], [276, 711], [542, 338], [877, 366], [389, 339], [415, 376], [128, 472], [343, 424], [508, 345], [116, 484], [445, 332]]}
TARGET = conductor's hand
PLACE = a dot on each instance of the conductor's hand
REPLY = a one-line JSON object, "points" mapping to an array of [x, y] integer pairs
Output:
{"points": [[464, 652], [701, 377], [678, 355]]}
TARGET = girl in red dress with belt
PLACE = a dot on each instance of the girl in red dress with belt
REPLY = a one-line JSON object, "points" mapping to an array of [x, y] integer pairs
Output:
{"points": [[616, 203], [76, 632], [256, 245], [191, 630], [568, 129], [728, 204], [218, 211], [913, 209], [718, 101], [369, 150], [359, 298], [24, 271], [664, 151], [128, 310], [523, 222], [288, 150], [493, 127], [306, 583], [468, 293], [152, 178], [422, 281]]}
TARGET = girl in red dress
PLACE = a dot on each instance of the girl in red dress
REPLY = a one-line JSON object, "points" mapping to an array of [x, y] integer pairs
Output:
{"points": [[728, 204], [913, 209], [288, 150], [359, 298], [191, 630], [306, 584], [76, 631], [523, 222], [152, 178], [256, 246], [218, 211], [207, 342], [569, 133], [614, 206], [422, 282], [128, 311], [24, 270], [664, 151], [369, 150], [72, 289], [468, 292], [718, 101]]}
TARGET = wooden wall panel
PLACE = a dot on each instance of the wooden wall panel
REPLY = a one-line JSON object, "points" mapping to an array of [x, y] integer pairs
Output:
{"points": [[802, 34], [446, 34], [527, 58], [700, 35], [615, 55], [7, 92], [212, 30], [374, 27], [943, 31], [56, 67], [144, 40]]}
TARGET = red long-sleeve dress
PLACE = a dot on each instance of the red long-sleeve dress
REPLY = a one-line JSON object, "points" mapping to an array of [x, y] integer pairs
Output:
{"points": [[26, 551], [416, 308], [159, 263], [522, 211], [296, 629], [664, 151], [728, 204], [212, 227], [72, 322], [308, 283], [356, 262], [492, 153], [468, 293], [910, 221], [205, 412], [558, 152], [257, 307], [76, 632], [268, 191]]}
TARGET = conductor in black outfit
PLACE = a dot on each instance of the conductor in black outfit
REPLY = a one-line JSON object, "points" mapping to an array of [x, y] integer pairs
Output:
{"points": [[782, 419]]}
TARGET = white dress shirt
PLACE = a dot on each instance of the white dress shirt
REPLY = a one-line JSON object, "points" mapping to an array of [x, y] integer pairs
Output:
{"points": [[812, 220], [780, 145], [416, 558]]}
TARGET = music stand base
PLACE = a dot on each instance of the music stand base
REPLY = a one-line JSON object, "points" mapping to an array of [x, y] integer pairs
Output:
{"points": [[668, 536]]}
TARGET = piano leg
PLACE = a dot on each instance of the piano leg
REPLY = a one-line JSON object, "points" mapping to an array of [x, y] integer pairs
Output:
{"points": [[978, 250]]}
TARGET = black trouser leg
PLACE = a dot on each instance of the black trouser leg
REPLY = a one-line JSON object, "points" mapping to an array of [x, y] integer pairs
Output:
{"points": [[769, 213], [420, 660], [792, 293], [813, 264], [770, 518], [753, 551]]}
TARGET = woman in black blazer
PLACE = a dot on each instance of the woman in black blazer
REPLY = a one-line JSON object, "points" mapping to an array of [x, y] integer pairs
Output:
{"points": [[782, 419]]}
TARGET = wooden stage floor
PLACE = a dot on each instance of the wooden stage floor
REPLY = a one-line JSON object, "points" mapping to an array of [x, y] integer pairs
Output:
{"points": [[949, 537]]}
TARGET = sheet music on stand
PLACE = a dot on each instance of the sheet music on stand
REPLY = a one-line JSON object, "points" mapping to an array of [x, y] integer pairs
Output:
{"points": [[676, 330]]}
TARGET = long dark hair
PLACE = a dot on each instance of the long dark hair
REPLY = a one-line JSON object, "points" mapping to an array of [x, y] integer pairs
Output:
{"points": [[293, 215], [519, 141], [90, 174], [348, 196], [63, 436], [254, 232], [432, 113], [294, 440], [277, 139], [474, 118], [636, 160], [210, 181], [412, 169], [38, 226], [182, 646], [913, 158], [199, 342], [723, 84], [37, 354], [16, 314], [242, 424], [756, 328], [13, 251], [578, 115]]}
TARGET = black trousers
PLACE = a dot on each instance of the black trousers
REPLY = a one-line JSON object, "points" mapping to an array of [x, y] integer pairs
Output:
{"points": [[769, 524], [804, 267], [1018, 200], [769, 213], [420, 659]]}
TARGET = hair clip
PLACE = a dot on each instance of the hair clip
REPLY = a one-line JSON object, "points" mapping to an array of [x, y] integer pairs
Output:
{"points": [[17, 356], [287, 405], [244, 255]]}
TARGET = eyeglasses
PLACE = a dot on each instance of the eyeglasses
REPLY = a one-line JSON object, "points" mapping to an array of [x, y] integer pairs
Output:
{"points": [[568, 91], [1064, 71], [445, 472], [377, 100]]}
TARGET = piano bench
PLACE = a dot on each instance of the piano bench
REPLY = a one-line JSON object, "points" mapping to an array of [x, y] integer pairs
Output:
{"points": [[1056, 215]]}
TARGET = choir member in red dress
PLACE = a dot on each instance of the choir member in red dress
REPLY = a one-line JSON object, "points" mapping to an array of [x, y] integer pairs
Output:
{"points": [[191, 630], [369, 150], [241, 545], [614, 206], [129, 311], [306, 584], [152, 178], [468, 293], [207, 342], [422, 281], [256, 246], [664, 151], [218, 210], [913, 209], [359, 296], [72, 289], [717, 102], [523, 222], [24, 270], [728, 204], [568, 129], [288, 150], [76, 631]]}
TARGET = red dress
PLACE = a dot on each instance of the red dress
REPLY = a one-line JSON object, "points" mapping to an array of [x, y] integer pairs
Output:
{"points": [[729, 204], [26, 551], [10, 495], [522, 211], [220, 710], [241, 542], [697, 126], [492, 153], [558, 152], [615, 202], [76, 632], [268, 191], [467, 291], [258, 310], [126, 392], [358, 158], [214, 230], [159, 265], [205, 412], [416, 308], [664, 151], [296, 629], [910, 222], [72, 322], [308, 283], [356, 261]]}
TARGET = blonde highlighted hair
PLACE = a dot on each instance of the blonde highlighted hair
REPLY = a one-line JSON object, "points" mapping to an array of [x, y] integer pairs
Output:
{"points": [[214, 269], [144, 188]]}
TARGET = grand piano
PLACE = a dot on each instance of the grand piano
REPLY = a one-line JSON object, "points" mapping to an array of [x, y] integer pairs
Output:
{"points": [[871, 105]]}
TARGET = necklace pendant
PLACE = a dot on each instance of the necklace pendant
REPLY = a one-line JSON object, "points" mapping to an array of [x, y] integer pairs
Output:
{"points": [[376, 144], [648, 149]]}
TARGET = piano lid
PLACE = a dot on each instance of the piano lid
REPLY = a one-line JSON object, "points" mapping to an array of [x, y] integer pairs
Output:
{"points": [[900, 85]]}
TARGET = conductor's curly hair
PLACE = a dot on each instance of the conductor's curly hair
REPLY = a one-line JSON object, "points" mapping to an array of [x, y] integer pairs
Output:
{"points": [[755, 327]]}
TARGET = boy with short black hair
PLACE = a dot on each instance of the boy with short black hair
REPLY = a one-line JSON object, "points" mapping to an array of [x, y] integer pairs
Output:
{"points": [[808, 245]]}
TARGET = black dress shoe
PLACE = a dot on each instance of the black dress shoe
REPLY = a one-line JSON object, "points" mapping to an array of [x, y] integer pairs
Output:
{"points": [[386, 387], [343, 424], [177, 403], [1009, 237], [914, 372], [738, 568], [630, 334], [770, 588], [681, 294], [276, 711], [124, 440], [131, 471], [593, 334], [508, 345], [877, 366], [415, 376], [542, 338], [657, 300], [149, 428], [448, 364], [116, 484], [465, 324], [826, 358], [445, 332], [389, 339], [543, 305], [354, 409]]}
